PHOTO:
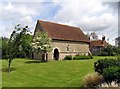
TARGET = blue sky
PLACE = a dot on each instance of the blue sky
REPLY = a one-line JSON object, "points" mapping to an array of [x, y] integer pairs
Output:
{"points": [[95, 16]]}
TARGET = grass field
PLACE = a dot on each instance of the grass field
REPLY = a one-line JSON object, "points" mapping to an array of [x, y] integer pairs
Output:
{"points": [[31, 73]]}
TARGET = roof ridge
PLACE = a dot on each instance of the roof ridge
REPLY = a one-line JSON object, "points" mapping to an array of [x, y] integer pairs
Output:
{"points": [[58, 23]]}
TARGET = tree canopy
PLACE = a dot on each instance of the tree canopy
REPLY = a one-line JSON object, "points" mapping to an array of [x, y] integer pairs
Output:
{"points": [[4, 44], [41, 42], [17, 43]]}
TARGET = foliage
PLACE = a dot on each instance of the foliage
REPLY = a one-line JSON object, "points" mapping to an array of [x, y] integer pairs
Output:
{"points": [[15, 43], [118, 51], [101, 64], [111, 74], [25, 46], [0, 43], [24, 49], [0, 48], [103, 54], [109, 51], [79, 57], [118, 57], [93, 80], [41, 42], [4, 42], [68, 57], [109, 68], [117, 41]]}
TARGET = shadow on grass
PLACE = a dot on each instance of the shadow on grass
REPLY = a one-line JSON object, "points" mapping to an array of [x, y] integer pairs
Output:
{"points": [[35, 61], [6, 69]]}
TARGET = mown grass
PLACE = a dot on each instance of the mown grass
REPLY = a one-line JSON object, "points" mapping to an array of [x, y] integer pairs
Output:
{"points": [[32, 73]]}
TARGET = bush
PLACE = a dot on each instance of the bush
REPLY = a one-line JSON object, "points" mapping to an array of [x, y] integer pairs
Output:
{"points": [[101, 64], [68, 57], [107, 54], [92, 80], [111, 74], [79, 57], [103, 54], [118, 57]]}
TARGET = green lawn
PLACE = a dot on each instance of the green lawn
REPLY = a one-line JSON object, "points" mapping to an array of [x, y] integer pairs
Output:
{"points": [[31, 73]]}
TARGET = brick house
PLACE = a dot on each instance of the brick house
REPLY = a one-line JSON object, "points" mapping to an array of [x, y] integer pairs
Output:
{"points": [[66, 40], [97, 45]]}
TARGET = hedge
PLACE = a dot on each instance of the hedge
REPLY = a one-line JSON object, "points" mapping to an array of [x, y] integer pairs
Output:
{"points": [[101, 64], [112, 74], [79, 57], [68, 57]]}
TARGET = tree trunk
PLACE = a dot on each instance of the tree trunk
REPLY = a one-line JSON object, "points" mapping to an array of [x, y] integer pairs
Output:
{"points": [[43, 57], [9, 61], [46, 56]]}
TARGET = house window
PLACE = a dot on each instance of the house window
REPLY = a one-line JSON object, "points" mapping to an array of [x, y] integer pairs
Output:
{"points": [[68, 47]]}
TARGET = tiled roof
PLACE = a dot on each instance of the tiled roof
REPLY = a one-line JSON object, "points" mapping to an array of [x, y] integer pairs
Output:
{"points": [[62, 32], [98, 43]]}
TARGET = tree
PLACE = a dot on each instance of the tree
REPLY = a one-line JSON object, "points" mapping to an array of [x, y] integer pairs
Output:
{"points": [[42, 43], [15, 42], [117, 41], [25, 46], [4, 43], [0, 42], [109, 51]]}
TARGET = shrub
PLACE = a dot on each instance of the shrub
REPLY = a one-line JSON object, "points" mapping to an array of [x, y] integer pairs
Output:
{"points": [[103, 54], [113, 53], [109, 51], [78, 57], [101, 64], [118, 57], [111, 74], [68, 57], [92, 80]]}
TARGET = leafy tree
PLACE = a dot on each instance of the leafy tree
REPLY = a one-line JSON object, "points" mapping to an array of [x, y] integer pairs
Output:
{"points": [[117, 40], [4, 47], [42, 43], [101, 64], [0, 48], [24, 48], [110, 51], [111, 74], [109, 69], [15, 42]]}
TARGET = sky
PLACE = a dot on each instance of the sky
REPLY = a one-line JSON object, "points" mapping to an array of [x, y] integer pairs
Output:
{"points": [[99, 16]]}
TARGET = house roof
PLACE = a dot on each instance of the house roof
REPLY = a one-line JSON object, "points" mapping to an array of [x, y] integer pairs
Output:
{"points": [[62, 32], [98, 43]]}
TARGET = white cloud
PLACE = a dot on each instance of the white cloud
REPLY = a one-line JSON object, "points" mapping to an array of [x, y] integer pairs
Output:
{"points": [[18, 9], [26, 20], [16, 13], [9, 7], [90, 15]]}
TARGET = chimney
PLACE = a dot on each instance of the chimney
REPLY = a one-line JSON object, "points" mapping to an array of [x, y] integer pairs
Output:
{"points": [[103, 38]]}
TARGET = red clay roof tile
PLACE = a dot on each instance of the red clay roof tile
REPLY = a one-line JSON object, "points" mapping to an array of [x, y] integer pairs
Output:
{"points": [[98, 43], [63, 32]]}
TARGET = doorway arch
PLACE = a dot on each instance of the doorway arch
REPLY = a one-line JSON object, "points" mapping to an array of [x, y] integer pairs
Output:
{"points": [[56, 54]]}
